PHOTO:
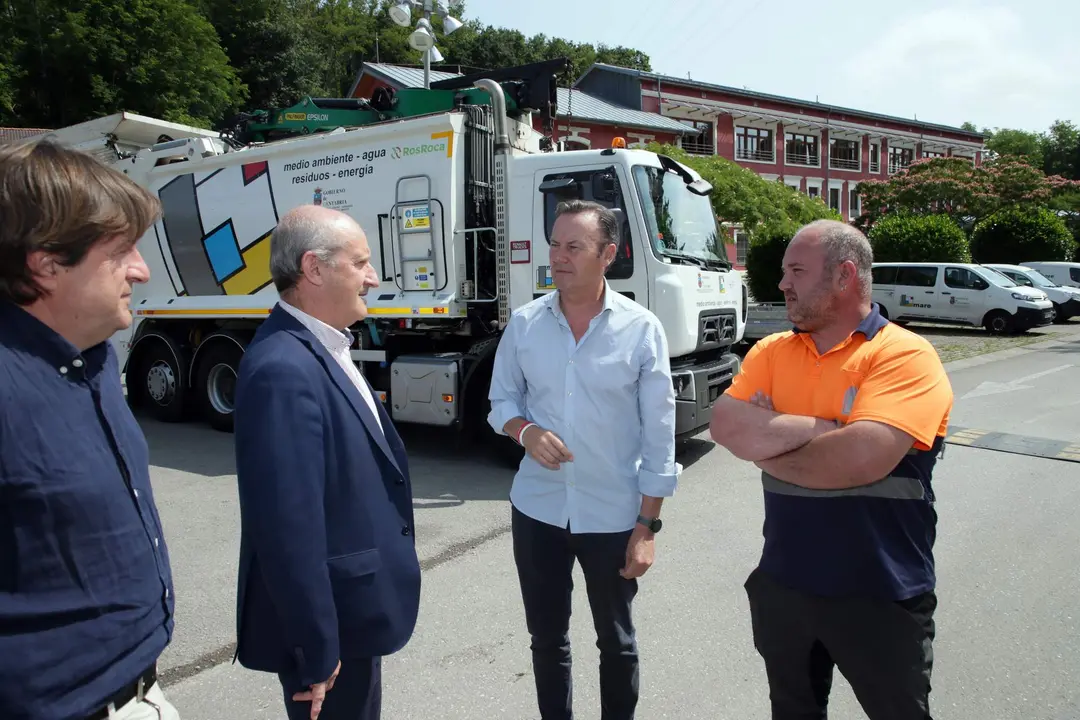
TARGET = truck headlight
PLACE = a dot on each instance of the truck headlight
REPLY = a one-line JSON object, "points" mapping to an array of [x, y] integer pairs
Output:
{"points": [[684, 386]]}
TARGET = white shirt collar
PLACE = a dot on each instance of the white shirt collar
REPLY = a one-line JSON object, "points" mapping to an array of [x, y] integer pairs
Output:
{"points": [[335, 340]]}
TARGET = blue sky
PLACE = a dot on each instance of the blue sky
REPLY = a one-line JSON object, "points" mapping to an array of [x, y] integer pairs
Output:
{"points": [[997, 64]]}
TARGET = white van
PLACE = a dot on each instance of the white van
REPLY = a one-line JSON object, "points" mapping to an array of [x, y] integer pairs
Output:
{"points": [[1063, 273], [958, 294], [1066, 299]]}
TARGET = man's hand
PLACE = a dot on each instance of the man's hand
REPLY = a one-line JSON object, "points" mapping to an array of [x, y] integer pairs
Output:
{"points": [[545, 447], [762, 401], [317, 693], [640, 552]]}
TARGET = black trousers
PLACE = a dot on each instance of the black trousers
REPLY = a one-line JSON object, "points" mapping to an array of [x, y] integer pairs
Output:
{"points": [[884, 649], [544, 555], [356, 695]]}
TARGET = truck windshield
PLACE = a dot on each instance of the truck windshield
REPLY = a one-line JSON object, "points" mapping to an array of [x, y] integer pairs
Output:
{"points": [[681, 224]]}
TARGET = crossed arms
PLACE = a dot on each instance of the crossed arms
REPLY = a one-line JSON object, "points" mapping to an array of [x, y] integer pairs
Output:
{"points": [[807, 451], [901, 403]]}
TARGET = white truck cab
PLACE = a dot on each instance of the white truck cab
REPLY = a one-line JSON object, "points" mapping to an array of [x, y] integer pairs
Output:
{"points": [[1066, 274], [1066, 299], [958, 294]]}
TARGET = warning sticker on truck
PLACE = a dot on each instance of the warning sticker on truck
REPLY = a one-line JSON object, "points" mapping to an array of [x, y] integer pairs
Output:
{"points": [[416, 218]]}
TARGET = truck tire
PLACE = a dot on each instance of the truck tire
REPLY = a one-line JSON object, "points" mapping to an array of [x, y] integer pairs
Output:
{"points": [[157, 382], [215, 380]]}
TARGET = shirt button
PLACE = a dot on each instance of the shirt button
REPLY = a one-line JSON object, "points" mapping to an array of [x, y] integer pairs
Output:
{"points": [[166, 592], [135, 492], [77, 363], [156, 542], [63, 370], [405, 530]]}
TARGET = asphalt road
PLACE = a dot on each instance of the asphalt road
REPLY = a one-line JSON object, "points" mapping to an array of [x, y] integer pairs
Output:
{"points": [[1008, 551]]}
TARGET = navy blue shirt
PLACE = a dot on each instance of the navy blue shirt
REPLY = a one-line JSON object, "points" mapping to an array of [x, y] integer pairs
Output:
{"points": [[86, 601]]}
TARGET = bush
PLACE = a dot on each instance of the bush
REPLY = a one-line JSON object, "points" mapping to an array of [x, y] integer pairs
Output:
{"points": [[1016, 235], [918, 238], [764, 260]]}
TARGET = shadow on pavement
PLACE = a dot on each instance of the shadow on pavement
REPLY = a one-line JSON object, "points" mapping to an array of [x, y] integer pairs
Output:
{"points": [[446, 472]]}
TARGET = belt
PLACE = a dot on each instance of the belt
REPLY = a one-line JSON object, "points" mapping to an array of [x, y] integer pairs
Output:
{"points": [[124, 695]]}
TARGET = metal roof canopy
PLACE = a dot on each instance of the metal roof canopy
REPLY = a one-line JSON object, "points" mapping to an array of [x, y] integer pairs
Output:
{"points": [[716, 111]]}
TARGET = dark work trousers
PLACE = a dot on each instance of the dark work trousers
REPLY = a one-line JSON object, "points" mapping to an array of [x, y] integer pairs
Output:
{"points": [[884, 649], [356, 695], [545, 556]]}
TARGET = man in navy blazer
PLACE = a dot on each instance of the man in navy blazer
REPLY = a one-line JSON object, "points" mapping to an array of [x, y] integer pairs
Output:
{"points": [[329, 580]]}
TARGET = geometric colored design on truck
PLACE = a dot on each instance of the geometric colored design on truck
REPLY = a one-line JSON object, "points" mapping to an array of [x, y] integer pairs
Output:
{"points": [[214, 233]]}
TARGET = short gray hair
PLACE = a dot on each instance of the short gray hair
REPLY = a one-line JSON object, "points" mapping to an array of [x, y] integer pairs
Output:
{"points": [[298, 233], [843, 242], [605, 219]]}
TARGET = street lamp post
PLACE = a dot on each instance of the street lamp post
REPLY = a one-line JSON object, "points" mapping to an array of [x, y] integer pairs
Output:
{"points": [[423, 37]]}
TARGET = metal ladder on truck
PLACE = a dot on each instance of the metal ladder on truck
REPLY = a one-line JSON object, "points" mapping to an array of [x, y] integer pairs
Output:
{"points": [[414, 220]]}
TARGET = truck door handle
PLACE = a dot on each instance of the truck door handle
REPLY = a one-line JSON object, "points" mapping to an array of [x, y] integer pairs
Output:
{"points": [[944, 292], [930, 292]]}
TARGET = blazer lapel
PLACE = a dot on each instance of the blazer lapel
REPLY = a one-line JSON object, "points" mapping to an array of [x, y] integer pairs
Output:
{"points": [[349, 390]]}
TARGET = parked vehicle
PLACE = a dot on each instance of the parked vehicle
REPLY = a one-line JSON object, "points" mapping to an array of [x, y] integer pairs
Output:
{"points": [[1066, 299], [764, 319], [457, 194], [1066, 274], [958, 294]]}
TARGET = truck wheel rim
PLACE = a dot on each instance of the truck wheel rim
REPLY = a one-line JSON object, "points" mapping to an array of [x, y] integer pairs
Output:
{"points": [[161, 383], [221, 388]]}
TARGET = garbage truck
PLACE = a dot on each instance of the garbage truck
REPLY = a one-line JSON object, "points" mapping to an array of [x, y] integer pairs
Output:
{"points": [[456, 192]]}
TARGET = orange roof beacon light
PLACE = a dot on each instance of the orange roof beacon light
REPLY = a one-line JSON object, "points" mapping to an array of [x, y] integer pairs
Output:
{"points": [[618, 142]]}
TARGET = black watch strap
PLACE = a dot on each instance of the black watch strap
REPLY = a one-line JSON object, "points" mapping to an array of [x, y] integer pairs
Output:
{"points": [[654, 524]]}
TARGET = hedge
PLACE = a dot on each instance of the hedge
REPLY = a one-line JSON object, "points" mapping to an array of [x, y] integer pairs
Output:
{"points": [[919, 238], [1015, 235], [764, 261]]}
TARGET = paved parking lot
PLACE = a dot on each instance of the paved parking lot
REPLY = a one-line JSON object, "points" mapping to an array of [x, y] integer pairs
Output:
{"points": [[1009, 549]]}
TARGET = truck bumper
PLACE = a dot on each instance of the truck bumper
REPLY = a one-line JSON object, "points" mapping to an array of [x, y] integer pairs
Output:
{"points": [[1068, 309], [696, 389]]}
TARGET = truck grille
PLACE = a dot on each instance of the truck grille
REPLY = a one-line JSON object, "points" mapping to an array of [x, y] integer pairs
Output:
{"points": [[716, 329]]}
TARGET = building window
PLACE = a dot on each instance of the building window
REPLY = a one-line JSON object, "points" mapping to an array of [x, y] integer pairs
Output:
{"points": [[801, 149], [900, 158], [875, 157], [844, 154], [853, 204], [753, 143], [742, 244], [813, 191], [932, 154], [834, 199], [702, 142]]}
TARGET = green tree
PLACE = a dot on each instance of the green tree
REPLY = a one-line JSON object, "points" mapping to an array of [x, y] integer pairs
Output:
{"points": [[954, 187], [1015, 143], [764, 261], [919, 238], [742, 197], [77, 61], [1022, 234]]}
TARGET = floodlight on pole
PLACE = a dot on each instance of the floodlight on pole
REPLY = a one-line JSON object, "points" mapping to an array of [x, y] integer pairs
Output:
{"points": [[423, 37], [401, 14]]}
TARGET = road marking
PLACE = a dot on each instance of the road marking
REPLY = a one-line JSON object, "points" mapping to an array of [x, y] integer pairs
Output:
{"points": [[991, 387], [1015, 444]]}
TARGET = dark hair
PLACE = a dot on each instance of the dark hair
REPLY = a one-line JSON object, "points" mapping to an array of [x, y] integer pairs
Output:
{"points": [[61, 201], [605, 219]]}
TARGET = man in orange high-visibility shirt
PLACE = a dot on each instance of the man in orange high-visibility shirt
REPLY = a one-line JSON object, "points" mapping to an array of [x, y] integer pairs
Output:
{"points": [[846, 416]]}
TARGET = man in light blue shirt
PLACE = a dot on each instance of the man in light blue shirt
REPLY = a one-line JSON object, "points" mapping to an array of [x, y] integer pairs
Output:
{"points": [[582, 381]]}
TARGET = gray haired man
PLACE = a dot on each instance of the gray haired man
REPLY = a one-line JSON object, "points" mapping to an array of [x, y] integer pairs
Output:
{"points": [[329, 581]]}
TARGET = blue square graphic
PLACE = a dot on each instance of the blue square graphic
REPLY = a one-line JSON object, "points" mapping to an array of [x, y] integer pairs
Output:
{"points": [[223, 252]]}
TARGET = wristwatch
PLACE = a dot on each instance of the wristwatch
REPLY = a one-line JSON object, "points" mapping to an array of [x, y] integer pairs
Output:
{"points": [[654, 524]]}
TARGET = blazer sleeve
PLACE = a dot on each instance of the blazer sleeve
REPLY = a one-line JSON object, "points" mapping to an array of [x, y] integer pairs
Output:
{"points": [[279, 448]]}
